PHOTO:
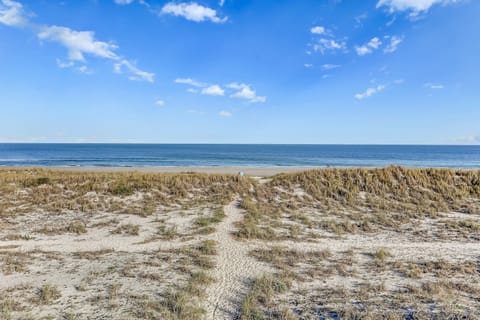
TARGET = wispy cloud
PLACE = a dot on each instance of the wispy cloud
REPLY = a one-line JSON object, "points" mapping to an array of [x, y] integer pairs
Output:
{"points": [[359, 20], [213, 90], [369, 47], [78, 43], [192, 11], [470, 139], [135, 73], [243, 91], [393, 45], [160, 103], [324, 45], [369, 92], [414, 7], [190, 82], [225, 114], [327, 66], [434, 86], [123, 2], [12, 13]]}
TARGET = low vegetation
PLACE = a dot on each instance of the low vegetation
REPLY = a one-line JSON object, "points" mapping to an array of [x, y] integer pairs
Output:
{"points": [[307, 204], [342, 244], [23, 190]]}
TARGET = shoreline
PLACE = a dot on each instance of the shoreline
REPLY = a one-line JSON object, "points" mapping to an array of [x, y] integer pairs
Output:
{"points": [[248, 171], [252, 171]]}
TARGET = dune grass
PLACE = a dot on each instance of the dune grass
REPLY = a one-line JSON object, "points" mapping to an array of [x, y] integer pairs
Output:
{"points": [[59, 191], [359, 201], [299, 206]]}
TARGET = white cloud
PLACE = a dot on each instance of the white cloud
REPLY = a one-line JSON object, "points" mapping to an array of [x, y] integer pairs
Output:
{"points": [[393, 45], [363, 50], [318, 30], [221, 3], [324, 45], [434, 86], [160, 103], [225, 114], [368, 48], [214, 90], [240, 90], [415, 7], [192, 11], [135, 73], [12, 13], [326, 42], [190, 81], [375, 43], [369, 92], [123, 2], [78, 43], [308, 65], [245, 92], [330, 66]]}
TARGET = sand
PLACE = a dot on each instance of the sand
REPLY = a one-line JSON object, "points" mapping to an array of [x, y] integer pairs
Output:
{"points": [[248, 171]]}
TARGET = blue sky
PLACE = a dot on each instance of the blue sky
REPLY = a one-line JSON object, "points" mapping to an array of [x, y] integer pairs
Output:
{"points": [[240, 71]]}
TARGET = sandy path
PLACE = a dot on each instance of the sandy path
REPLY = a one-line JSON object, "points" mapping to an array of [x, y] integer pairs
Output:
{"points": [[235, 268]]}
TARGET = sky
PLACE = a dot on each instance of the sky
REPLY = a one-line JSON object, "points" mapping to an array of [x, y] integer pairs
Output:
{"points": [[240, 71]]}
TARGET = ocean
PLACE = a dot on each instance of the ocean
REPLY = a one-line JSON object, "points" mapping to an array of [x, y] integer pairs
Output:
{"points": [[143, 155]]}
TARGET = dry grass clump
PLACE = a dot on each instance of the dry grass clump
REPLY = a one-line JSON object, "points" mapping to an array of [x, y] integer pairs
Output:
{"points": [[182, 303], [380, 257], [77, 227], [168, 233], [13, 262], [208, 247], [256, 304], [206, 223], [127, 229], [47, 294], [252, 226], [92, 255]]}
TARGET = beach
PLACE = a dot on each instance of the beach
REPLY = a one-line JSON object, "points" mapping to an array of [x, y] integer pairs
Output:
{"points": [[248, 171]]}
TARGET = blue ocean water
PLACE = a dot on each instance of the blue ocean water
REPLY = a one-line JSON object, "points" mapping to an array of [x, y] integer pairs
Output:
{"points": [[15, 154]]}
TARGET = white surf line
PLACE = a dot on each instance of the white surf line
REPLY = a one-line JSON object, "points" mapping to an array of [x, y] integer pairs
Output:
{"points": [[234, 271]]}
